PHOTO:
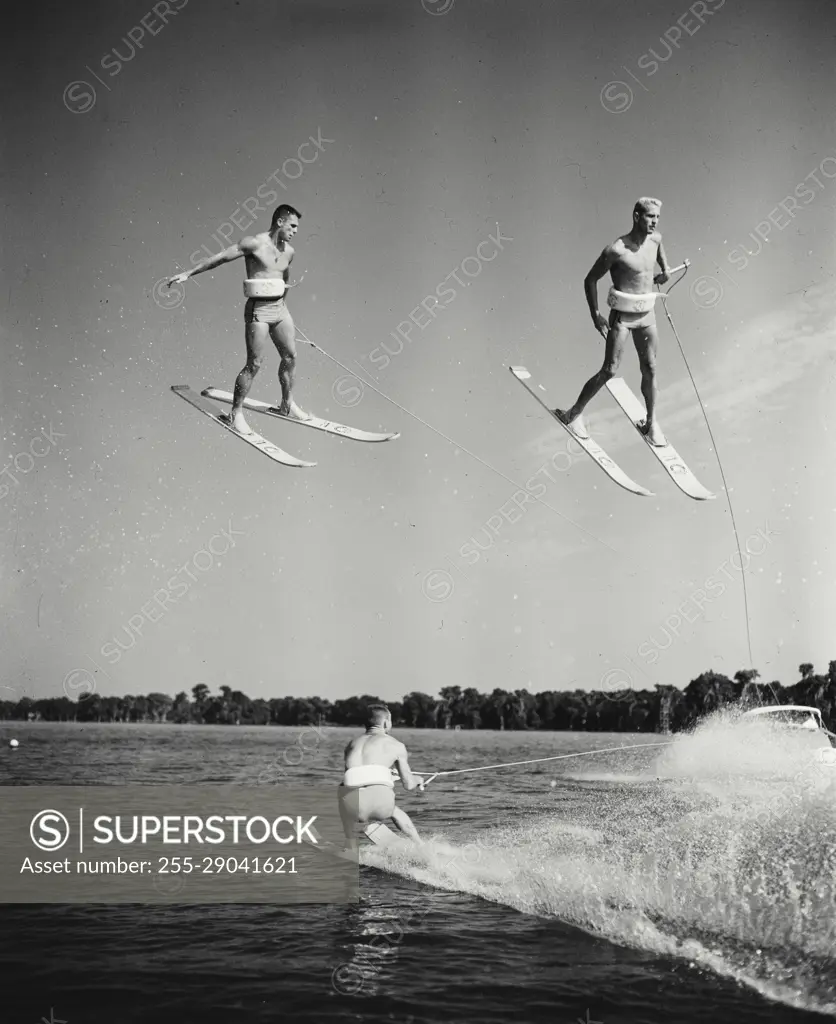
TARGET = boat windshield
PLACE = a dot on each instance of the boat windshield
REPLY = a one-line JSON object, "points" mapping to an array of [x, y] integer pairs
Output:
{"points": [[805, 719]]}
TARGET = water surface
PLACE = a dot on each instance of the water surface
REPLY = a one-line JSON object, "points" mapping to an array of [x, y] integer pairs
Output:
{"points": [[672, 884]]}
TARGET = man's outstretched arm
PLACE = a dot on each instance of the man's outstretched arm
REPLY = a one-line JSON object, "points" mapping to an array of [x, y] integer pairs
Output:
{"points": [[234, 252]]}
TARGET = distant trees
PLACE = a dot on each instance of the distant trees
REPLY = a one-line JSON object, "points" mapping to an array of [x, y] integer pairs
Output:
{"points": [[663, 709]]}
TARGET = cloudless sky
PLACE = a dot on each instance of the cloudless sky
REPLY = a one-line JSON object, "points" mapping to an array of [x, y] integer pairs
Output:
{"points": [[440, 127]]}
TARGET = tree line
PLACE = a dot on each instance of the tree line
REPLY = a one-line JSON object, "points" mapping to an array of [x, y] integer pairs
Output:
{"points": [[662, 709]]}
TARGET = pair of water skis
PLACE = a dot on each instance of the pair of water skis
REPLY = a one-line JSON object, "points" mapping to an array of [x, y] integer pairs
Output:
{"points": [[666, 454], [202, 402]]}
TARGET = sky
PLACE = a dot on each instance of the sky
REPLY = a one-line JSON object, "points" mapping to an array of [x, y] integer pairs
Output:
{"points": [[482, 153]]}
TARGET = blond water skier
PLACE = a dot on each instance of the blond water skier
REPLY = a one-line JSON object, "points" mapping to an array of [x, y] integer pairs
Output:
{"points": [[630, 261]]}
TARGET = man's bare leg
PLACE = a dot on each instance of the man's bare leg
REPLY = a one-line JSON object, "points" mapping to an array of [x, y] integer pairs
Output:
{"points": [[573, 418], [404, 824], [284, 338], [256, 336], [348, 816], [646, 341]]}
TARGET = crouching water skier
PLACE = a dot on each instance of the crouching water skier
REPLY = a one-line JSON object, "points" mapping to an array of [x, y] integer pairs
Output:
{"points": [[367, 792]]}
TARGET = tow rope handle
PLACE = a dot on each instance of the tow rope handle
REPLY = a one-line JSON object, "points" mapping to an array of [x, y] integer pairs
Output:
{"points": [[423, 782], [675, 270]]}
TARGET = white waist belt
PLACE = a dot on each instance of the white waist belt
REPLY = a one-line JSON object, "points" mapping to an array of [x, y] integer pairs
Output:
{"points": [[264, 287], [368, 775], [629, 302]]}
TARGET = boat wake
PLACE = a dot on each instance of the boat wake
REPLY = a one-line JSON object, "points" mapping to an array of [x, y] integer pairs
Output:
{"points": [[729, 861]]}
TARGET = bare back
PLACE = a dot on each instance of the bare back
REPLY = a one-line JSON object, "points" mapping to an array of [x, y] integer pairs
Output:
{"points": [[264, 259], [373, 749], [382, 749], [633, 267]]}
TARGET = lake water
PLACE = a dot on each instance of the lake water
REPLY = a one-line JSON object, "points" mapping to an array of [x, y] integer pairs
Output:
{"points": [[677, 884]]}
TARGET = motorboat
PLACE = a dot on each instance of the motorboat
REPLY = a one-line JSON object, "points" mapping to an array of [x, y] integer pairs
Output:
{"points": [[803, 724]]}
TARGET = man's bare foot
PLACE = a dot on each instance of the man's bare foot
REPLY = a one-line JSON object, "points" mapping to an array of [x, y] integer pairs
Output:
{"points": [[576, 425], [653, 433], [237, 422], [293, 412]]}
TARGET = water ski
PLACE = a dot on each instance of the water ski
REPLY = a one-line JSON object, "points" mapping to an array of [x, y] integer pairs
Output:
{"points": [[328, 426], [382, 835], [377, 833], [592, 448], [666, 454], [256, 440]]}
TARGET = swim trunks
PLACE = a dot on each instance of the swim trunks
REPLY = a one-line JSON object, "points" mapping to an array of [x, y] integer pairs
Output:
{"points": [[266, 311], [265, 302]]}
